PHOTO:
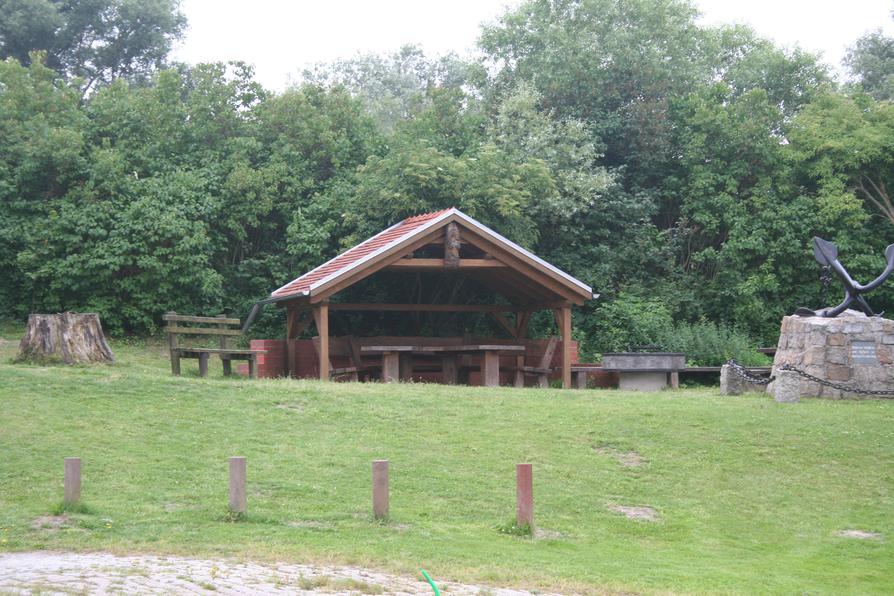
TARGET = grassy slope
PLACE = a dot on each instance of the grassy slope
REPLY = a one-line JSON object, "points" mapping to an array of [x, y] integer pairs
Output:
{"points": [[750, 492]]}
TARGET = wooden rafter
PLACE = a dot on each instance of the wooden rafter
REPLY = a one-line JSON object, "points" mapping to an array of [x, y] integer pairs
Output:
{"points": [[423, 264], [504, 322], [514, 262], [351, 306]]}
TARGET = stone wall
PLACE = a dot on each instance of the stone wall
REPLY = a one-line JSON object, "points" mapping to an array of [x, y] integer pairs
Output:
{"points": [[852, 349]]}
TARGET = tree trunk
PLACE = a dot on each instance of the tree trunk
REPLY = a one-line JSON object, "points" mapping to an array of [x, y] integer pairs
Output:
{"points": [[69, 337]]}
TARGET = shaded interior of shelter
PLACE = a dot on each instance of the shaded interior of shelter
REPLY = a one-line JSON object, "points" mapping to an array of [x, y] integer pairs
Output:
{"points": [[452, 283], [300, 357]]}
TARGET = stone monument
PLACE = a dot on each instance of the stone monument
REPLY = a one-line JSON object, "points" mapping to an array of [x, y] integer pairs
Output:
{"points": [[852, 349]]}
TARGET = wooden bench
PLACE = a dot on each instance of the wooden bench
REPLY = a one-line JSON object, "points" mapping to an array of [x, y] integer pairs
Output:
{"points": [[222, 329], [357, 370], [543, 369]]}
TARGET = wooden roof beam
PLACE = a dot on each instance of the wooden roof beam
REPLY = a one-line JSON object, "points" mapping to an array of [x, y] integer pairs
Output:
{"points": [[489, 308], [421, 264]]}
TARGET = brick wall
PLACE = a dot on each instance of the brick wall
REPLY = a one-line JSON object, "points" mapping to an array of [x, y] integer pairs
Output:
{"points": [[273, 363]]}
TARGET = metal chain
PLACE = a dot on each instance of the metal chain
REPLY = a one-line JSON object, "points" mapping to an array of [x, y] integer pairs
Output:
{"points": [[839, 386], [743, 373]]}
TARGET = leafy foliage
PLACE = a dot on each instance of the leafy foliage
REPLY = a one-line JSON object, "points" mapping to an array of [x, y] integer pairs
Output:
{"points": [[708, 344], [95, 40], [871, 62], [680, 170]]}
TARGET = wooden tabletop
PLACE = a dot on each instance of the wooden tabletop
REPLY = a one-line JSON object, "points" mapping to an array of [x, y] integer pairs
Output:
{"points": [[432, 349]]}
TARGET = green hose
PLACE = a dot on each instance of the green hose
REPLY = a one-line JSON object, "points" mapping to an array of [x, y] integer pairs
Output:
{"points": [[430, 582]]}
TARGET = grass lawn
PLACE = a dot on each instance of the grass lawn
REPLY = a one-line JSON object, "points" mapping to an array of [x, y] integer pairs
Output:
{"points": [[749, 494]]}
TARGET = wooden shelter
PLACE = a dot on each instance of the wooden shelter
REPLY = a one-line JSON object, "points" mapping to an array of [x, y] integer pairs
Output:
{"points": [[462, 244]]}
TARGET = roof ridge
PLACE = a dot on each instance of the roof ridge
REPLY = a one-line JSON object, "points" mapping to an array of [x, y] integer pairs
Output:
{"points": [[426, 216]]}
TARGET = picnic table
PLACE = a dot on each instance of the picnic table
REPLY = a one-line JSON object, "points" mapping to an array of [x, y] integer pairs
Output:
{"points": [[397, 360]]}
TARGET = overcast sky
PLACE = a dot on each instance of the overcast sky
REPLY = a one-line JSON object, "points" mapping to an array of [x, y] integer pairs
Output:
{"points": [[280, 37]]}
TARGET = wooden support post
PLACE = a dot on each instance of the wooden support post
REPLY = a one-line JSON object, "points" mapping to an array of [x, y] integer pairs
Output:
{"points": [[675, 379], [390, 367], [321, 316], [406, 366], [380, 488], [524, 494], [566, 347], [521, 332], [449, 369], [172, 346], [225, 345], [224, 339], [203, 364], [521, 324], [71, 481], [253, 366], [238, 502], [452, 244], [291, 320], [290, 369], [490, 369]]}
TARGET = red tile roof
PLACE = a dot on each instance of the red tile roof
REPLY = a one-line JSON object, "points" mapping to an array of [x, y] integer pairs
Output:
{"points": [[348, 258]]}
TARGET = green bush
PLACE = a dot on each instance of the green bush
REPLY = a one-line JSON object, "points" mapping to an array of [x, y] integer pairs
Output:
{"points": [[626, 321], [708, 344]]}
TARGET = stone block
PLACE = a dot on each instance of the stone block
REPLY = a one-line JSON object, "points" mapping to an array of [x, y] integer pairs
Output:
{"points": [[642, 381], [812, 357], [888, 339], [837, 373], [837, 339], [787, 387], [644, 361], [836, 355], [732, 384]]}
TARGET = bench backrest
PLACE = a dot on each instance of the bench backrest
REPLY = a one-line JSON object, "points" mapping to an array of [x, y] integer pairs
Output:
{"points": [[219, 326]]}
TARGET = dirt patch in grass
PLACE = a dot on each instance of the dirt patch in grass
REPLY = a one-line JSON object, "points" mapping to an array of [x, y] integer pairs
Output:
{"points": [[641, 513], [310, 524], [547, 534], [628, 459], [52, 523], [291, 406], [859, 534]]}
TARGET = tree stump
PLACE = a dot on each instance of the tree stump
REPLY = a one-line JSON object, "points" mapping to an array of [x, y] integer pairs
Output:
{"points": [[68, 337]]}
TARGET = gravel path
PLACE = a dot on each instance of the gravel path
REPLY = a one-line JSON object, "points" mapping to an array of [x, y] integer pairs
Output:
{"points": [[103, 573]]}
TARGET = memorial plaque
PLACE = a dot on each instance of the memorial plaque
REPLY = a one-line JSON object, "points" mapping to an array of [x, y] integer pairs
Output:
{"points": [[863, 352]]}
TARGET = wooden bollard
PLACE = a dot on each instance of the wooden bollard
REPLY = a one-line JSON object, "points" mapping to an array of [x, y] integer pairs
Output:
{"points": [[524, 494], [237, 485], [380, 488], [72, 481]]}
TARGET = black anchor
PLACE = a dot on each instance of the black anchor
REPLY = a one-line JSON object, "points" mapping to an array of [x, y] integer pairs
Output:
{"points": [[826, 255]]}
